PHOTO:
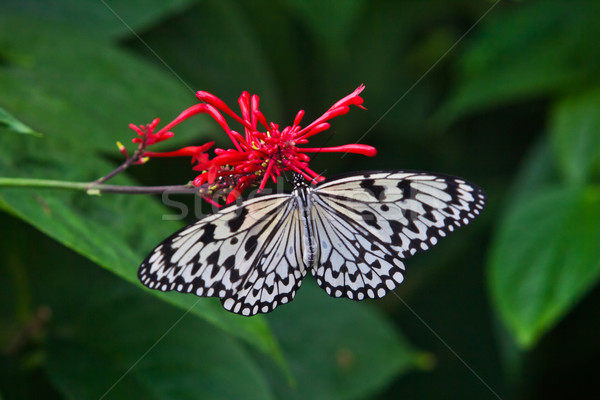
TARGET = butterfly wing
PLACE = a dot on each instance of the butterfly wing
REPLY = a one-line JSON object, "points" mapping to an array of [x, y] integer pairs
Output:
{"points": [[367, 223], [248, 255]]}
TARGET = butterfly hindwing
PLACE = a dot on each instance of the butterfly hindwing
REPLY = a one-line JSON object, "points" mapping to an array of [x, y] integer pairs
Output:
{"points": [[374, 220], [277, 273], [353, 262]]}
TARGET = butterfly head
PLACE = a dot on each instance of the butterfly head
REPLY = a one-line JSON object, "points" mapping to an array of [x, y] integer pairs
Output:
{"points": [[298, 180]]}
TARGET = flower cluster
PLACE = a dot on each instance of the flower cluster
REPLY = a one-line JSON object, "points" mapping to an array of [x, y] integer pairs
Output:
{"points": [[262, 153]]}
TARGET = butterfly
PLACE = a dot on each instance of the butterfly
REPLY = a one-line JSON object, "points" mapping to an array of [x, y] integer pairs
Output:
{"points": [[353, 233]]}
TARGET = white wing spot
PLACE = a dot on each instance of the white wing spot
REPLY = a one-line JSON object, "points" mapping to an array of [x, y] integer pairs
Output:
{"points": [[228, 304], [398, 277]]}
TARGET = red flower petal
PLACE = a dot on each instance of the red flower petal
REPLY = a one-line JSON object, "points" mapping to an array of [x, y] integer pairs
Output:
{"points": [[363, 149]]}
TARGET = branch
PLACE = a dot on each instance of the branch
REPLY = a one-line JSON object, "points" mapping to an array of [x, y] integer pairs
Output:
{"points": [[93, 188]]}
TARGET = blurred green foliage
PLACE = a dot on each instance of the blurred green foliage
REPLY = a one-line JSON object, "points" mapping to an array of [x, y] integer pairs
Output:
{"points": [[505, 307]]}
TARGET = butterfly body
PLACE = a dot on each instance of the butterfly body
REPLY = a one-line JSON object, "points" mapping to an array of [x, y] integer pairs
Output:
{"points": [[302, 194], [352, 232]]}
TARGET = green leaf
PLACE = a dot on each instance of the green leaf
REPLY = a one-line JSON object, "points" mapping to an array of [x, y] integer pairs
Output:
{"points": [[15, 125], [101, 335], [143, 341], [89, 94], [539, 171], [103, 18], [227, 62], [84, 93], [545, 258], [82, 229], [575, 134], [533, 49], [338, 349], [332, 35]]}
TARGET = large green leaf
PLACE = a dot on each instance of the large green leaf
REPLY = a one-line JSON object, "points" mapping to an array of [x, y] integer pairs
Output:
{"points": [[545, 258], [103, 336], [575, 134], [108, 18], [127, 334], [87, 230], [82, 93], [337, 348], [532, 49], [72, 86]]}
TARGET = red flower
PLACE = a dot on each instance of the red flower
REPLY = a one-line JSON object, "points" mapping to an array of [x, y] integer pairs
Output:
{"points": [[262, 153], [147, 135]]}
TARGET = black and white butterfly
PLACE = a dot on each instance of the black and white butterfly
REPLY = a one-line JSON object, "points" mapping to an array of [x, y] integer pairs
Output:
{"points": [[352, 232]]}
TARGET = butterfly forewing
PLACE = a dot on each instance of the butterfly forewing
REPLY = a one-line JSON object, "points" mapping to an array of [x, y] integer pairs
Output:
{"points": [[359, 227], [408, 210], [219, 254], [367, 223]]}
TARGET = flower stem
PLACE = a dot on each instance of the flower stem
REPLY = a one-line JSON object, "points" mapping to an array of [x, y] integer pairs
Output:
{"points": [[92, 188], [119, 169], [127, 163]]}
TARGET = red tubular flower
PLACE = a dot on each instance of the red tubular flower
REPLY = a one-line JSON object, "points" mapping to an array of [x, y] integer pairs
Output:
{"points": [[263, 152], [147, 135], [198, 153]]}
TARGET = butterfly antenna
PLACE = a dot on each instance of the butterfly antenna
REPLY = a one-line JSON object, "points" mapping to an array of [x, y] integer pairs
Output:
{"points": [[314, 180]]}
